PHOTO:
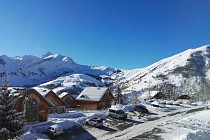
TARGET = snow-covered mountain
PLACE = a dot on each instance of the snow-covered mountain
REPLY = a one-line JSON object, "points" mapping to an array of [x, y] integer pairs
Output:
{"points": [[185, 73], [31, 70]]}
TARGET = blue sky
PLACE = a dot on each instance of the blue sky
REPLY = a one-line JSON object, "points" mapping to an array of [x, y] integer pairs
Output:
{"points": [[124, 34]]}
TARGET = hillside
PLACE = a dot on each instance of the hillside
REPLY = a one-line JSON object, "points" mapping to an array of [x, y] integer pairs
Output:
{"points": [[185, 73]]}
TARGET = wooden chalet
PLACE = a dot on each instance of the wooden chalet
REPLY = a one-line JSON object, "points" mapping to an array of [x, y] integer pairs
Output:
{"points": [[159, 95], [184, 98], [58, 105], [68, 99], [93, 98], [33, 104]]}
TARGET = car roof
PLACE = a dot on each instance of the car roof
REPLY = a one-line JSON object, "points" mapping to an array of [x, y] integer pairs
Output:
{"points": [[55, 126], [96, 118], [115, 108], [140, 105]]}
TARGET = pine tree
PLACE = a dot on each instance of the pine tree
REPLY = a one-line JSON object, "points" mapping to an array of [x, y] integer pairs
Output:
{"points": [[118, 96], [11, 121]]}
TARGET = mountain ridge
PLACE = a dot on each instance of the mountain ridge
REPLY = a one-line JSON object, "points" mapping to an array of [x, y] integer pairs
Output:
{"points": [[176, 74], [32, 70]]}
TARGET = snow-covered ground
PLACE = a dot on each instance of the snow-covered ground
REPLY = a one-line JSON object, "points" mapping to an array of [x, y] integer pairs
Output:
{"points": [[184, 122], [194, 127], [176, 125]]}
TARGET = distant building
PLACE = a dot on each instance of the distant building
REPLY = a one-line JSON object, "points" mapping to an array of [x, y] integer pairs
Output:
{"points": [[159, 95], [93, 98], [184, 98]]}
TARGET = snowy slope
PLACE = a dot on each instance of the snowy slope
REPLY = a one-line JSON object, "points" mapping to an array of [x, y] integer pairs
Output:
{"points": [[74, 83], [32, 70], [189, 66]]}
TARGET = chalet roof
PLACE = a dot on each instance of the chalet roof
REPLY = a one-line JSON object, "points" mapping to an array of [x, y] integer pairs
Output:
{"points": [[74, 95], [92, 93], [154, 93], [63, 94], [42, 91], [26, 91], [184, 97]]}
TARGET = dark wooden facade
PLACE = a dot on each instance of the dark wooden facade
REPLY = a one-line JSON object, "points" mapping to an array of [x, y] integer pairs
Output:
{"points": [[59, 105], [34, 105], [70, 101]]}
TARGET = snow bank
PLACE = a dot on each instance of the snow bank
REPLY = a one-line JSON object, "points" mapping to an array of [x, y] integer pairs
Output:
{"points": [[66, 115], [195, 126]]}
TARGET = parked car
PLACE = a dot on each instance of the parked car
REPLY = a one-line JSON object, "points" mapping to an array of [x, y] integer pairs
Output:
{"points": [[55, 130], [194, 104], [141, 108], [117, 113], [170, 102], [151, 100], [178, 103], [156, 104], [163, 101], [208, 107], [97, 122]]}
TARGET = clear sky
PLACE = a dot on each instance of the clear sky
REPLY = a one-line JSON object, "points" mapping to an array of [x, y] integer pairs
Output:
{"points": [[124, 34]]}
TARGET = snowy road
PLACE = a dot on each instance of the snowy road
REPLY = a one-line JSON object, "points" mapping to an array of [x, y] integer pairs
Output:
{"points": [[146, 130], [171, 122]]}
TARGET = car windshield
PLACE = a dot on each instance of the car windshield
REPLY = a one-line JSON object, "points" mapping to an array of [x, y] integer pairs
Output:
{"points": [[96, 120], [49, 128], [99, 121], [140, 106], [120, 112]]}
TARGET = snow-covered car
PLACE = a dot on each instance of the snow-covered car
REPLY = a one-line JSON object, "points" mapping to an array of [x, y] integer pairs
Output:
{"points": [[170, 102], [55, 130], [208, 107], [156, 104], [178, 103], [141, 108], [151, 100], [97, 122], [163, 101], [194, 104], [117, 113]]}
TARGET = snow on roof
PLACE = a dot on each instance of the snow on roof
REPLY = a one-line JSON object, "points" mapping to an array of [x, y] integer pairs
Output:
{"points": [[92, 93], [149, 94], [63, 94], [42, 91], [74, 95]]}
